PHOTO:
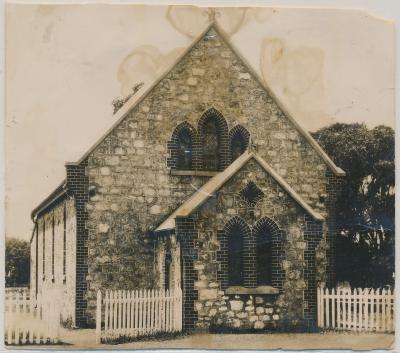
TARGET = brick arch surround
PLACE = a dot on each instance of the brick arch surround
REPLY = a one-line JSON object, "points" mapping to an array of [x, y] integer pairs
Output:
{"points": [[249, 257], [241, 131], [224, 148], [173, 145], [278, 251], [222, 253]]}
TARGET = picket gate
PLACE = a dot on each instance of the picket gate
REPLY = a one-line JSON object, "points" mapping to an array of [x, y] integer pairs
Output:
{"points": [[123, 313], [356, 309], [31, 321]]}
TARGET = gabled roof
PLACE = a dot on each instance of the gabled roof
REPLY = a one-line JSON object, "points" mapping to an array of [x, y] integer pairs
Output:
{"points": [[140, 96], [216, 182]]}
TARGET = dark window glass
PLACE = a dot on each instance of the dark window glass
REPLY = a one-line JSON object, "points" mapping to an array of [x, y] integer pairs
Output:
{"points": [[44, 248], [210, 145], [52, 245], [264, 256], [37, 260], [184, 150], [235, 256], [65, 240], [238, 146]]}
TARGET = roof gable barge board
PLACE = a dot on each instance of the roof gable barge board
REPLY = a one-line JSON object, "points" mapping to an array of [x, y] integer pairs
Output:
{"points": [[215, 183], [136, 99]]}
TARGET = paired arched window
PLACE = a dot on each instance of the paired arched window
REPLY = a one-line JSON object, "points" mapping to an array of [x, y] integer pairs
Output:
{"points": [[247, 256]]}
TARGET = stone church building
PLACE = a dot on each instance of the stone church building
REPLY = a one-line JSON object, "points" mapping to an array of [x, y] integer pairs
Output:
{"points": [[204, 182]]}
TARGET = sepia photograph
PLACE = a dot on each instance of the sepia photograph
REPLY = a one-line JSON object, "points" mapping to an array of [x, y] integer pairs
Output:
{"points": [[198, 177]]}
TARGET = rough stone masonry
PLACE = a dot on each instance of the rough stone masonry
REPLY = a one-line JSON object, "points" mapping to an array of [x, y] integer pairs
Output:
{"points": [[129, 183]]}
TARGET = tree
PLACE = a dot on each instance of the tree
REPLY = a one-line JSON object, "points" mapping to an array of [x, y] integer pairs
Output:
{"points": [[365, 248], [17, 262]]}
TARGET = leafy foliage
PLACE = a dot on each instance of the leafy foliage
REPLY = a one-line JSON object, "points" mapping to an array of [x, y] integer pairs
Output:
{"points": [[17, 262], [119, 102], [126, 254], [365, 249]]}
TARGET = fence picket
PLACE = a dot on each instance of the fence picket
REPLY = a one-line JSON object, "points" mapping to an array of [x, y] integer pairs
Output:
{"points": [[98, 317], [338, 320], [30, 320], [365, 308], [138, 312], [136, 304], [383, 304], [358, 309], [319, 307]]}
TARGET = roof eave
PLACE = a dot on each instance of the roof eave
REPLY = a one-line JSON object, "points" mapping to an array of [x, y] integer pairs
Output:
{"points": [[60, 191]]}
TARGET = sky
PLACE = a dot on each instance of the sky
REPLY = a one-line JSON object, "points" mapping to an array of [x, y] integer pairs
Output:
{"points": [[66, 63]]}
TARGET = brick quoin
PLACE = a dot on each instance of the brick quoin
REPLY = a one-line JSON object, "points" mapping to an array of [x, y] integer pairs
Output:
{"points": [[77, 183]]}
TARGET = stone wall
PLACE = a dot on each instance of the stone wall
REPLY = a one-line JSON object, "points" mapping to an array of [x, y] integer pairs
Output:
{"points": [[242, 313], [295, 263], [128, 173], [56, 274]]}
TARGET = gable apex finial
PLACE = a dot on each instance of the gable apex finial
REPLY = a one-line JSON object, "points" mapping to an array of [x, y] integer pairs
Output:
{"points": [[212, 14]]}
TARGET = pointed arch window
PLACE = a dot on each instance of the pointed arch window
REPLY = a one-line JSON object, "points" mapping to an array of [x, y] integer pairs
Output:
{"points": [[181, 147], [211, 145], [235, 256], [263, 255], [239, 141], [184, 150], [236, 232]]}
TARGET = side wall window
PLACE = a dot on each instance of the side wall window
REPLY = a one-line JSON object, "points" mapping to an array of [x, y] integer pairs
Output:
{"points": [[44, 248], [64, 240]]}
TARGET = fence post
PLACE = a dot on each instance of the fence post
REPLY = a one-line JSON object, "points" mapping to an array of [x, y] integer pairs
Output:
{"points": [[98, 317]]}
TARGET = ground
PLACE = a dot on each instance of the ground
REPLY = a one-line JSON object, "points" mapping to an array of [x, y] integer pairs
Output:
{"points": [[83, 339]]}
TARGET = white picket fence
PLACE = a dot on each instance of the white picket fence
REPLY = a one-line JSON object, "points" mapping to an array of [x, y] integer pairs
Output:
{"points": [[356, 309], [29, 321], [123, 313], [16, 291]]}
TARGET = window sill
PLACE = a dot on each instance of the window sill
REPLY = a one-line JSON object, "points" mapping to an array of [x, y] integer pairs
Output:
{"points": [[193, 172], [256, 290]]}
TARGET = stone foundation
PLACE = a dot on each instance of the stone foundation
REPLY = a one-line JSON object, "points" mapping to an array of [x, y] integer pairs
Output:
{"points": [[241, 312]]}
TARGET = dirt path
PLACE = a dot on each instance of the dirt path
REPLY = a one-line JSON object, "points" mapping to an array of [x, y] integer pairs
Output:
{"points": [[84, 339]]}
